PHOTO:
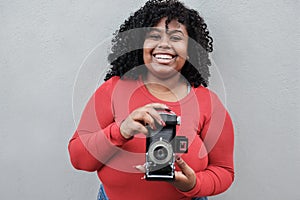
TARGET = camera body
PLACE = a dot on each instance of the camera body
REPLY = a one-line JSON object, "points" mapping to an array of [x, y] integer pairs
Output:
{"points": [[161, 146]]}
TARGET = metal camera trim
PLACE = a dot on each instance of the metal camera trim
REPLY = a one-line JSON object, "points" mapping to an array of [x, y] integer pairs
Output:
{"points": [[164, 144]]}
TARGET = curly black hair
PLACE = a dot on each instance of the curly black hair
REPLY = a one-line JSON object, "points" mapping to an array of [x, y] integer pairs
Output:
{"points": [[126, 54]]}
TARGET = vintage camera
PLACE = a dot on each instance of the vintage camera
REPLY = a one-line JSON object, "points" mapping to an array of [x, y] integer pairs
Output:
{"points": [[161, 146]]}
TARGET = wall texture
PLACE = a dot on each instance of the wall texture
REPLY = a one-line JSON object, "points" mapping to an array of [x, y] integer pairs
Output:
{"points": [[44, 46]]}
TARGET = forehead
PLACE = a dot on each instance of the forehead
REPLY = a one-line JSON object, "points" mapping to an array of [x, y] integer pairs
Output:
{"points": [[173, 25]]}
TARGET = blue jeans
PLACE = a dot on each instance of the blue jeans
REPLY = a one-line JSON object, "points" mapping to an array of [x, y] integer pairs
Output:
{"points": [[102, 195]]}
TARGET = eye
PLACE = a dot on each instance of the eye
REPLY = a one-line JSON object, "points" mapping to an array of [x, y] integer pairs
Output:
{"points": [[153, 36], [175, 38]]}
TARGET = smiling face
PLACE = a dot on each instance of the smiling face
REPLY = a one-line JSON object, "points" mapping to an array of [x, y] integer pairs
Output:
{"points": [[165, 50]]}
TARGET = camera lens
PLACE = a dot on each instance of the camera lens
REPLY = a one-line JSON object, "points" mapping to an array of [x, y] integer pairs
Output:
{"points": [[160, 153]]}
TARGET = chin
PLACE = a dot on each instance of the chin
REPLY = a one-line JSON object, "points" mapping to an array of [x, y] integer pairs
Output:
{"points": [[163, 73]]}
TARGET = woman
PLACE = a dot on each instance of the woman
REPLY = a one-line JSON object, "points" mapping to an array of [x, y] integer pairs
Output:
{"points": [[159, 63]]}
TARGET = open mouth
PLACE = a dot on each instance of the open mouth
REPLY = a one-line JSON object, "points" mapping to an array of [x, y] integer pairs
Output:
{"points": [[164, 57]]}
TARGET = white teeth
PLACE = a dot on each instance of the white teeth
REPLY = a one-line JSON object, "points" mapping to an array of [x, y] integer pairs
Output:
{"points": [[163, 56]]}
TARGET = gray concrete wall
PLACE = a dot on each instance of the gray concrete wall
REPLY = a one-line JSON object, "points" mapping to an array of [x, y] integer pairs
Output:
{"points": [[43, 44]]}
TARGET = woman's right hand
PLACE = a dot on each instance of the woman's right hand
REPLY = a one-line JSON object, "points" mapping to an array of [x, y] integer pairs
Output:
{"points": [[137, 120]]}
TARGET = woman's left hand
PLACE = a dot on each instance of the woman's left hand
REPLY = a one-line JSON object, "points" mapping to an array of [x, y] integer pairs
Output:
{"points": [[185, 179]]}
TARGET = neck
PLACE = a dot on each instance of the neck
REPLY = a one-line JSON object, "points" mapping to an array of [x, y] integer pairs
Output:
{"points": [[164, 85], [172, 89]]}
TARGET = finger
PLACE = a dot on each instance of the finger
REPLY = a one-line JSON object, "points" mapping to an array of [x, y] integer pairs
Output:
{"points": [[144, 118], [155, 115], [158, 106], [141, 168], [185, 180], [151, 109], [130, 127], [139, 128], [185, 168], [179, 176], [182, 182]]}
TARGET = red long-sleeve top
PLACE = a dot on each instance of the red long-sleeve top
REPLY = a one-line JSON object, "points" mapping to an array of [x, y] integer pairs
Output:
{"points": [[97, 144]]}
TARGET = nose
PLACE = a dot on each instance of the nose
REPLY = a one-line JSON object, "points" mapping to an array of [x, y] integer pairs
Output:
{"points": [[164, 43]]}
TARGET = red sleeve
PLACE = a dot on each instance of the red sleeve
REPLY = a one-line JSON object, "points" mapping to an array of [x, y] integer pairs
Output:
{"points": [[218, 136], [97, 137]]}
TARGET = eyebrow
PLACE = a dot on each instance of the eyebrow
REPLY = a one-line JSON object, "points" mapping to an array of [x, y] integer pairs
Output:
{"points": [[168, 30]]}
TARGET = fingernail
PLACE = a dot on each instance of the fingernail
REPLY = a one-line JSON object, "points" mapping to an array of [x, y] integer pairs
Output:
{"points": [[138, 166], [153, 127]]}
